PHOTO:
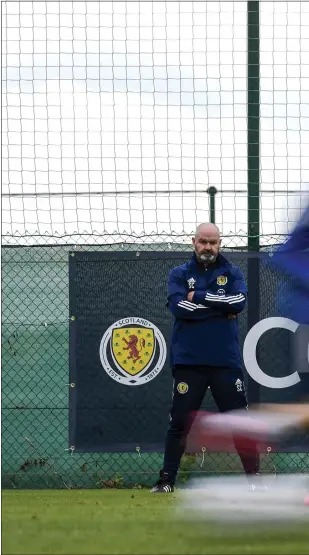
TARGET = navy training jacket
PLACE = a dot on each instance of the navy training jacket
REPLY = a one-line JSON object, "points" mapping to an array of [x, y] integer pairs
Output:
{"points": [[203, 333]]}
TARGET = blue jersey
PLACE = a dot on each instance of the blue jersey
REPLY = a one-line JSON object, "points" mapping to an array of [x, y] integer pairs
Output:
{"points": [[292, 259], [204, 332]]}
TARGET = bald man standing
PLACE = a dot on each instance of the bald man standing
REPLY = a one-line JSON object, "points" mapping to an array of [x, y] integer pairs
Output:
{"points": [[205, 295]]}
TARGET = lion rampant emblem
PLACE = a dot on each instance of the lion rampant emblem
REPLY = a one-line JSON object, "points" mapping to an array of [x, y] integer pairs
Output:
{"points": [[132, 351], [132, 347]]}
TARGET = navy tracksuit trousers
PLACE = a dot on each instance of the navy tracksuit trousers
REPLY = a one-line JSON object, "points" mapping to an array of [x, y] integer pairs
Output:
{"points": [[190, 386]]}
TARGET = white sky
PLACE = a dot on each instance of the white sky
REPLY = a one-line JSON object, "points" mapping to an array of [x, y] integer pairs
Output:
{"points": [[150, 97]]}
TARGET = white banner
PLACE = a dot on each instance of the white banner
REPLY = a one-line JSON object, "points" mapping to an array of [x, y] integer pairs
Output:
{"points": [[249, 353]]}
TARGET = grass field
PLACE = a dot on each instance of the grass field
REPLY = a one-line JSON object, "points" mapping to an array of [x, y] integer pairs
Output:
{"points": [[122, 522]]}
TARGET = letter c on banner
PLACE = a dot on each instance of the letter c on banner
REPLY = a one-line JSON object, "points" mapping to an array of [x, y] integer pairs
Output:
{"points": [[249, 353]]}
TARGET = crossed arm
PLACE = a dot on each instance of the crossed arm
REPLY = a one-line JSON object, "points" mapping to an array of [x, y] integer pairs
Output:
{"points": [[199, 305]]}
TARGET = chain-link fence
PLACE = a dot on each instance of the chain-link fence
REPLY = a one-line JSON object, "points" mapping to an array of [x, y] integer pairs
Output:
{"points": [[36, 451]]}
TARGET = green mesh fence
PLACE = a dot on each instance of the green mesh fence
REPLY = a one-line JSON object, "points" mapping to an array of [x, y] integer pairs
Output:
{"points": [[35, 382]]}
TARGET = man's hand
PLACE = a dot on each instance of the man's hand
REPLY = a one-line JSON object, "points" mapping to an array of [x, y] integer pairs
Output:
{"points": [[190, 296], [232, 316]]}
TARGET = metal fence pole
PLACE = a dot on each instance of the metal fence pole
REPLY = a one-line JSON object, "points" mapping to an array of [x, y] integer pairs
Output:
{"points": [[253, 137], [212, 191]]}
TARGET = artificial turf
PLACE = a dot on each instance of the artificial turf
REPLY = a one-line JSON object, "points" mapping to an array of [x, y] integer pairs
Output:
{"points": [[125, 522]]}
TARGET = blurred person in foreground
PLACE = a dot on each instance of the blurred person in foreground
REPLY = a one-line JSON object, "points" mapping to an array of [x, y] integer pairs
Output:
{"points": [[292, 259], [205, 296]]}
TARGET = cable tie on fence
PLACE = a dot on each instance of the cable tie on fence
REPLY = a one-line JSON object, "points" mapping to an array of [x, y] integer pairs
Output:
{"points": [[72, 449], [29, 440], [203, 457], [71, 384], [274, 466], [72, 318], [138, 450]]}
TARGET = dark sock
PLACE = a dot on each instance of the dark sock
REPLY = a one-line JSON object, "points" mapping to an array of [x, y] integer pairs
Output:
{"points": [[174, 449]]}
